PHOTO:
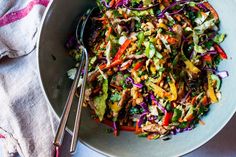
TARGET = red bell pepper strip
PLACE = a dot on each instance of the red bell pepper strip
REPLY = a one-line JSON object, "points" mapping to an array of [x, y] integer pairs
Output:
{"points": [[166, 119], [115, 132], [221, 52], [105, 121], [113, 64], [127, 128], [207, 58], [138, 65], [122, 49], [110, 124], [99, 18], [138, 130]]}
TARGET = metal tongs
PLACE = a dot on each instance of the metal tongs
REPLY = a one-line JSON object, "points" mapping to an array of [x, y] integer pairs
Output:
{"points": [[83, 65]]}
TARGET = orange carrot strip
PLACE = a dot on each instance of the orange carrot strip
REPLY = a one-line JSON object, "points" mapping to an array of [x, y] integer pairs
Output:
{"points": [[113, 64], [212, 10], [112, 3], [194, 100], [204, 100], [138, 65], [201, 122], [138, 130], [117, 87], [108, 33], [125, 15], [196, 8], [122, 49], [172, 40], [99, 19]]}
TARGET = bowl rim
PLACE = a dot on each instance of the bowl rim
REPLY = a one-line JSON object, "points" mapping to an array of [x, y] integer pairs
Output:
{"points": [[42, 25], [45, 14]]}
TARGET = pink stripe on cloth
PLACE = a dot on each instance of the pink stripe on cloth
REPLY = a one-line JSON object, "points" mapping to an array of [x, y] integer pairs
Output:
{"points": [[56, 152], [17, 15], [1, 136]]}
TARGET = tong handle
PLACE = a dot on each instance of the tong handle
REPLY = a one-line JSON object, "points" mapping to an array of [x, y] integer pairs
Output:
{"points": [[80, 103], [61, 129]]}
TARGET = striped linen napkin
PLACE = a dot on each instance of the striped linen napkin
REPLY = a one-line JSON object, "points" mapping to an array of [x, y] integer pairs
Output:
{"points": [[26, 124]]}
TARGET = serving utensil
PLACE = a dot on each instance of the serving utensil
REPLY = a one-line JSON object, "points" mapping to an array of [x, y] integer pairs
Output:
{"points": [[83, 65], [51, 36]]}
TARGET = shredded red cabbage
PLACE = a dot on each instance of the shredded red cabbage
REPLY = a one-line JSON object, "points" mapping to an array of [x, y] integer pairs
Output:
{"points": [[141, 119], [122, 3], [173, 132], [207, 39], [152, 118], [222, 74], [142, 9], [157, 103], [170, 29], [114, 126], [138, 85], [161, 15], [105, 4], [184, 39], [202, 6], [213, 52], [192, 54], [144, 106], [188, 129], [115, 130], [177, 11], [178, 130]]}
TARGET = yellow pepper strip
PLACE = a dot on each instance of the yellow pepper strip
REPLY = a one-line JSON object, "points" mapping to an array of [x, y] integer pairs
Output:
{"points": [[159, 79], [115, 107], [157, 90], [162, 7], [173, 90], [135, 76], [162, 25], [210, 91], [115, 110], [191, 67], [153, 69]]}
